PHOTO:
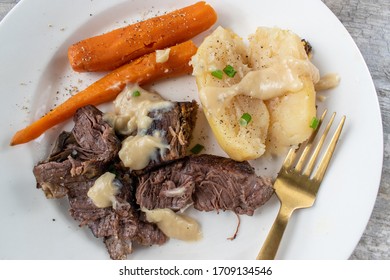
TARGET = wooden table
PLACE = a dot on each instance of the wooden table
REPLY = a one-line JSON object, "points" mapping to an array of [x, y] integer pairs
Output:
{"points": [[368, 23]]}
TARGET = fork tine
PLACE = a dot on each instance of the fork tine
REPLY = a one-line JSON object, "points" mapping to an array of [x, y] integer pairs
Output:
{"points": [[318, 148], [290, 158], [329, 152], [296, 190], [309, 143]]}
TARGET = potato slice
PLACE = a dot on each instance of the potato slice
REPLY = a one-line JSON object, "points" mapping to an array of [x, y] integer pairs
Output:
{"points": [[221, 48], [292, 112], [290, 117], [217, 51], [273, 84], [241, 142]]}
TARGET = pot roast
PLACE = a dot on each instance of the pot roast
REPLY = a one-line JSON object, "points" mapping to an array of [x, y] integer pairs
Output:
{"points": [[173, 180]]}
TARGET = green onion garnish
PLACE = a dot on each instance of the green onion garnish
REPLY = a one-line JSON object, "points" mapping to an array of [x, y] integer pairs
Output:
{"points": [[136, 93], [217, 74], [197, 149], [314, 123], [245, 119], [229, 70]]}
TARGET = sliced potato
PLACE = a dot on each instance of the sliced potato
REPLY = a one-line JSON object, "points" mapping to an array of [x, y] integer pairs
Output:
{"points": [[290, 117], [268, 44], [290, 113], [273, 84], [239, 142], [221, 48]]}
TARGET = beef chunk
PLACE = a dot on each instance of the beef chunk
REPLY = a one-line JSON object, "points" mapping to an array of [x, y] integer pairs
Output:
{"points": [[79, 155], [77, 160], [171, 180], [176, 126], [206, 181], [119, 226]]}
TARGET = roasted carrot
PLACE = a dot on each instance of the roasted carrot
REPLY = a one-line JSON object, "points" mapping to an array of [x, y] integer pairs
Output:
{"points": [[110, 50], [142, 70]]}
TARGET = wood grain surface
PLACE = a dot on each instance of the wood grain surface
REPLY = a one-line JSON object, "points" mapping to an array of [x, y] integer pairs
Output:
{"points": [[368, 23]]}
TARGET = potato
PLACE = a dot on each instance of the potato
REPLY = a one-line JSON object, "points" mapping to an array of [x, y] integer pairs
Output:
{"points": [[290, 117], [292, 112], [239, 142], [221, 48], [273, 84]]}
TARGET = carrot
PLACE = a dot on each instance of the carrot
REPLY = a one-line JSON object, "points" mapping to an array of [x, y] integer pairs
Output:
{"points": [[142, 70], [110, 50]]}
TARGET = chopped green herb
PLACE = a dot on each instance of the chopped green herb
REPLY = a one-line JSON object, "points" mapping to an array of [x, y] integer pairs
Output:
{"points": [[230, 71], [314, 123], [217, 74], [136, 93], [245, 119], [197, 149]]}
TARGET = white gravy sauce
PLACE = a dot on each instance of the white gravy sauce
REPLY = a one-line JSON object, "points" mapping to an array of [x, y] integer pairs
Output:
{"points": [[174, 225], [103, 191], [162, 55], [281, 74], [328, 81], [138, 150], [132, 107]]}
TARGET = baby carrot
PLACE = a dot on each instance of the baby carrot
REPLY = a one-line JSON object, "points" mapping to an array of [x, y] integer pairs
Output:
{"points": [[110, 50], [142, 70]]}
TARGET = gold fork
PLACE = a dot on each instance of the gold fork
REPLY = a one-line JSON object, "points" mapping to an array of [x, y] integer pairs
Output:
{"points": [[297, 185]]}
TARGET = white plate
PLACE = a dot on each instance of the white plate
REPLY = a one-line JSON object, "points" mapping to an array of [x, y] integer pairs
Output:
{"points": [[35, 73]]}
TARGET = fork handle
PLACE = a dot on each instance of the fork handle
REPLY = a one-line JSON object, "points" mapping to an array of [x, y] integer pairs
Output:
{"points": [[271, 244]]}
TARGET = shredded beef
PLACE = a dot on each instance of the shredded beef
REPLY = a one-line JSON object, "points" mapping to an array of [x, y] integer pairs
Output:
{"points": [[119, 226], [176, 126], [171, 180], [79, 157], [206, 181]]}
